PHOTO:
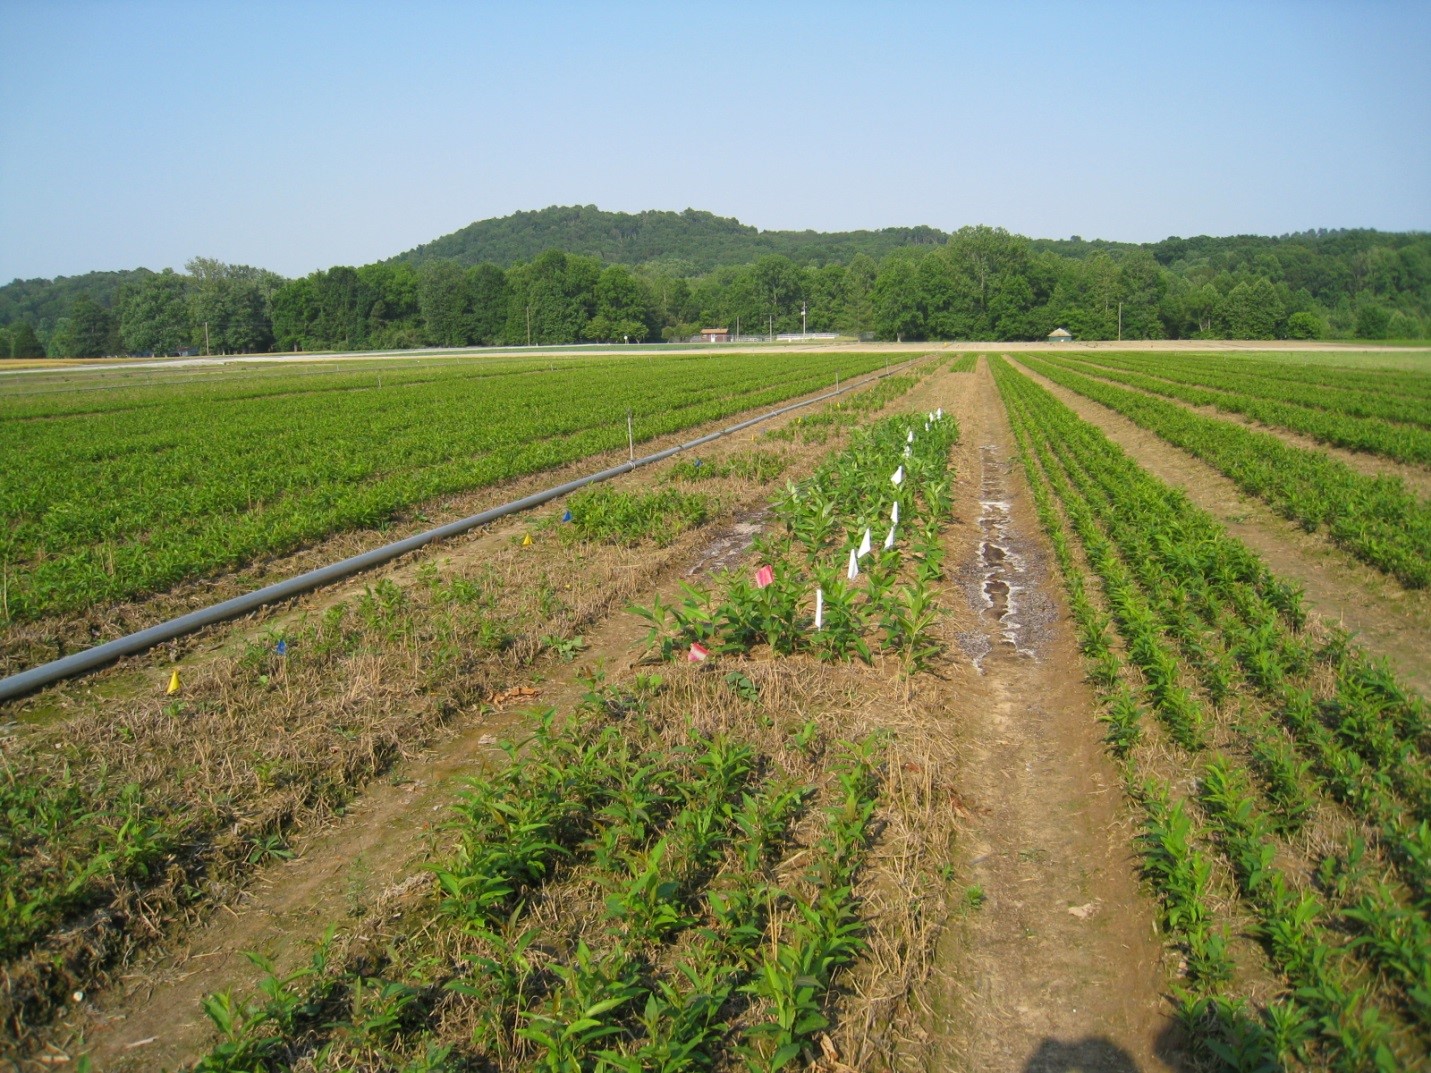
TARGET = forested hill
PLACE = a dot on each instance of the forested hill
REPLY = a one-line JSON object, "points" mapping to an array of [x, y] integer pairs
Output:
{"points": [[565, 275], [685, 243], [45, 301]]}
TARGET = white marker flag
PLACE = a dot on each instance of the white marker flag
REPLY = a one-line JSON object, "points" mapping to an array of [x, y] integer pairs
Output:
{"points": [[910, 437], [894, 513], [854, 570], [908, 450], [819, 608], [898, 477], [889, 539], [939, 414], [865, 545]]}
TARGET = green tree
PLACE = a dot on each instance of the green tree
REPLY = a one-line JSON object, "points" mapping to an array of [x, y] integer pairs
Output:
{"points": [[295, 314], [895, 298], [1373, 321], [1252, 310], [230, 306], [1403, 326], [487, 285], [551, 298], [88, 331], [778, 286], [824, 289], [1306, 325], [445, 298], [154, 314], [388, 296], [623, 308], [24, 343], [858, 307]]}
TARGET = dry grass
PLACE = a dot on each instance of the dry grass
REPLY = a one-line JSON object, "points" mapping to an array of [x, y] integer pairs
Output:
{"points": [[259, 747]]}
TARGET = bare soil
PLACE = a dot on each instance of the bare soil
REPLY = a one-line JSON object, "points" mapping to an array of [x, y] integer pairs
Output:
{"points": [[1053, 963], [1386, 619]]}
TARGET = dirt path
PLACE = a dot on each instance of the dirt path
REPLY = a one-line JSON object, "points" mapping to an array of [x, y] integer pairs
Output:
{"points": [[1054, 965], [1416, 478], [1387, 620]]}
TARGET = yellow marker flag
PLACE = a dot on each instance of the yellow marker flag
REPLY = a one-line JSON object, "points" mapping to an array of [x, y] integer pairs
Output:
{"points": [[527, 541], [173, 684]]}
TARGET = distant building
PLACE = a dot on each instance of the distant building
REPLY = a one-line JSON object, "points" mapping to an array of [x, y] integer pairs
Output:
{"points": [[715, 335], [1060, 335]]}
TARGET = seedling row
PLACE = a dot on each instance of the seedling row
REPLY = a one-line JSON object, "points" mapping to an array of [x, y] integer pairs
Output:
{"points": [[1295, 740], [105, 505], [1393, 427], [150, 809], [627, 893], [1376, 519]]}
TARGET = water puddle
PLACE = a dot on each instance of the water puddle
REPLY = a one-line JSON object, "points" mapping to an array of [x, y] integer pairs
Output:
{"points": [[1002, 567]]}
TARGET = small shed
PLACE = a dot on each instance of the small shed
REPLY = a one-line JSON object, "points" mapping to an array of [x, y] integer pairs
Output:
{"points": [[1060, 335], [715, 335]]}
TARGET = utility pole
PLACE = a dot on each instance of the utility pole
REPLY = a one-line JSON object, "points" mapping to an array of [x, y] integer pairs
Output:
{"points": [[1120, 322], [207, 350], [529, 324], [802, 320]]}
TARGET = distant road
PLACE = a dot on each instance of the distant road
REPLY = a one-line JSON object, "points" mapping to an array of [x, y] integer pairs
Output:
{"points": [[635, 350]]}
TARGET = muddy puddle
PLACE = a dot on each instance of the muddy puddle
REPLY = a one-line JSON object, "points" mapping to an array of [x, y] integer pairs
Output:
{"points": [[1002, 569]]}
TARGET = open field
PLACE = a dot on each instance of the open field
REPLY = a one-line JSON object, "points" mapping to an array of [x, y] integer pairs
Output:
{"points": [[1092, 760], [126, 491]]}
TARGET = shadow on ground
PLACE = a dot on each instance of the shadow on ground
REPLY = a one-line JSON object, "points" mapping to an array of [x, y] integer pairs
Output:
{"points": [[1099, 1054], [1092, 1054]]}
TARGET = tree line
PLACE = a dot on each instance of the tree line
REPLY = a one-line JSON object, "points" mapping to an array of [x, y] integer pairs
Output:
{"points": [[980, 283]]}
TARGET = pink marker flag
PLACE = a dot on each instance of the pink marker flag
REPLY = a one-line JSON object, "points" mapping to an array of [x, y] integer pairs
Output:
{"points": [[698, 653], [764, 576]]}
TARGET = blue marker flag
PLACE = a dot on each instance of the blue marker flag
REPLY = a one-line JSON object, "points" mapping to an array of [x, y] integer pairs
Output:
{"points": [[281, 648], [566, 517]]}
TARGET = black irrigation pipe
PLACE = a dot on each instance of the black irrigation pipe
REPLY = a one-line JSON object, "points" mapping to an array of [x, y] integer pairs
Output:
{"points": [[17, 685]]}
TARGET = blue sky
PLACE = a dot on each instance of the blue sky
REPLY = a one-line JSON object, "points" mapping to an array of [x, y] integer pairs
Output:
{"points": [[300, 135]]}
